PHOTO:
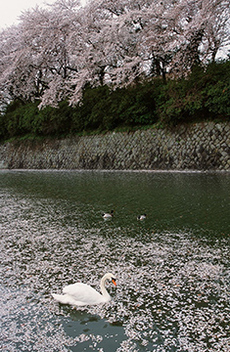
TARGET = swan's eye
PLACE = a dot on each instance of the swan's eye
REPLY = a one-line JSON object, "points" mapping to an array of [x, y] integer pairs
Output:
{"points": [[114, 282]]}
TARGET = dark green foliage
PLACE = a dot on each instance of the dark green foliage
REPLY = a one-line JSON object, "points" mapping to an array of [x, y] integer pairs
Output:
{"points": [[136, 105], [19, 118], [205, 94], [54, 121], [218, 89], [103, 109], [3, 130], [93, 111]]}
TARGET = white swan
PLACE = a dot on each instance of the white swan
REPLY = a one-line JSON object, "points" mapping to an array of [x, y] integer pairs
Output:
{"points": [[107, 215], [80, 294]]}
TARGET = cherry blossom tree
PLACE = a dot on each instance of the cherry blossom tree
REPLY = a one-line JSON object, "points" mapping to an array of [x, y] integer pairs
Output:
{"points": [[42, 54], [14, 66], [203, 28], [55, 46], [54, 52]]}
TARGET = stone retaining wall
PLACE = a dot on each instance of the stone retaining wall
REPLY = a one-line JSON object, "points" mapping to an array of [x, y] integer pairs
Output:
{"points": [[203, 146]]}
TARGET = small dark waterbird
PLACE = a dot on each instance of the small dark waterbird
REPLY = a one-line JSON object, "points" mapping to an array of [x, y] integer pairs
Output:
{"points": [[108, 215], [141, 217]]}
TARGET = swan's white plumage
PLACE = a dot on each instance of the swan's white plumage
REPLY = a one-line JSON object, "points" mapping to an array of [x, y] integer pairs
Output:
{"points": [[80, 294]]}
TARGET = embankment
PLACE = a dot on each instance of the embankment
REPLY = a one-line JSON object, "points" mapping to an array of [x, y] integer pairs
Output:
{"points": [[201, 146]]}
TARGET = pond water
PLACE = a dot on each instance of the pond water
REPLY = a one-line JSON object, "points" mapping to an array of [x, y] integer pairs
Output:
{"points": [[172, 269]]}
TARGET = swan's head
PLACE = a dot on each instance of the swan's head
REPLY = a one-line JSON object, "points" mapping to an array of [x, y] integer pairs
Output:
{"points": [[110, 277]]}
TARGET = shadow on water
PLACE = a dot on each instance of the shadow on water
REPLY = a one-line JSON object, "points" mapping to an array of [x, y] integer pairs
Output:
{"points": [[93, 331]]}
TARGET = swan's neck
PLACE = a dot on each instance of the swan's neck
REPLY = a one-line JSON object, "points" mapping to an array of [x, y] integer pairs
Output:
{"points": [[103, 289]]}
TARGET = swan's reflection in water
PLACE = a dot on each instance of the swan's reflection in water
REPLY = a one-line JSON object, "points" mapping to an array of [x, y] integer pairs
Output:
{"points": [[92, 330]]}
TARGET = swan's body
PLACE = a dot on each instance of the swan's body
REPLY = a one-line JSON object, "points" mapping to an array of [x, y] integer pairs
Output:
{"points": [[108, 215], [80, 294], [141, 217]]}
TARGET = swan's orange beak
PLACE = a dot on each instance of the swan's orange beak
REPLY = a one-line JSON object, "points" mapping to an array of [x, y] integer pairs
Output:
{"points": [[114, 282]]}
